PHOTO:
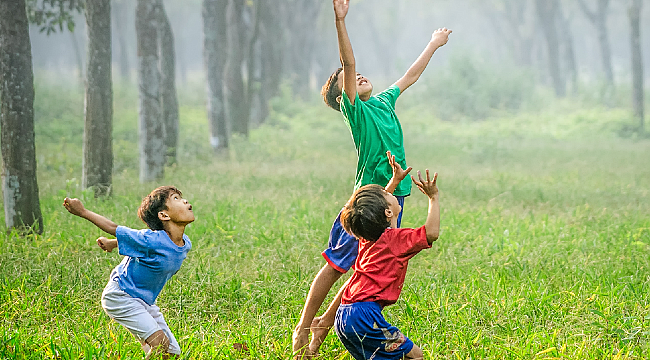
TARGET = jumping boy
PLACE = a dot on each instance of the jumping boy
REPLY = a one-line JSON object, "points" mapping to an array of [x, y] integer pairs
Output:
{"points": [[151, 258], [380, 268], [375, 129]]}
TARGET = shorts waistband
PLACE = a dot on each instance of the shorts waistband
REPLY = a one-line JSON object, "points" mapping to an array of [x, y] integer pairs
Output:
{"points": [[370, 305]]}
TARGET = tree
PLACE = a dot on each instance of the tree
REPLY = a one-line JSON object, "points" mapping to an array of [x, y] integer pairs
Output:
{"points": [[152, 129], [301, 31], [235, 97], [598, 19], [547, 12], [567, 47], [168, 97], [121, 11], [97, 147], [634, 14], [19, 184], [214, 59], [272, 54]]}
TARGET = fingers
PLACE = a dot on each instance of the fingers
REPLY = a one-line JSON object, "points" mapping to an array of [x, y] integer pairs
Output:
{"points": [[435, 177], [407, 171]]}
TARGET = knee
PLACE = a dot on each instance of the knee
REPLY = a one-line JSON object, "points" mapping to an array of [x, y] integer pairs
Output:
{"points": [[415, 353], [159, 342]]}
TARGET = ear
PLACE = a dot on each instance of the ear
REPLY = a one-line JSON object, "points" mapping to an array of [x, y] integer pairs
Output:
{"points": [[338, 99], [389, 213], [163, 216]]}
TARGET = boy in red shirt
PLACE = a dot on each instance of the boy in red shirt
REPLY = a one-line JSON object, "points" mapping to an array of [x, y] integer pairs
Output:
{"points": [[380, 268]]}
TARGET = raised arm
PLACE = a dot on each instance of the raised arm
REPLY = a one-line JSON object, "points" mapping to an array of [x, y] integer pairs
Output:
{"points": [[75, 207], [430, 189], [398, 173], [438, 39], [345, 50]]}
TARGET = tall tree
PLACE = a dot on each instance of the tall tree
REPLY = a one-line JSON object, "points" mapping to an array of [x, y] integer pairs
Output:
{"points": [[235, 97], [98, 130], [152, 128], [271, 51], [19, 184], [169, 101], [568, 51], [634, 14], [120, 9], [301, 31], [598, 19], [214, 59], [547, 12]]}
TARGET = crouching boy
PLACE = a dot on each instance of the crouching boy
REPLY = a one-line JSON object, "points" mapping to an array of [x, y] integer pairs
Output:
{"points": [[380, 268], [151, 258]]}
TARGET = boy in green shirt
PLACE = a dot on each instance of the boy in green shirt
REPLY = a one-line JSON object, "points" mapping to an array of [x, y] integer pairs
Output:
{"points": [[375, 130]]}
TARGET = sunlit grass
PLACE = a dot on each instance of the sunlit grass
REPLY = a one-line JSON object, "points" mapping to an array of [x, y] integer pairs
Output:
{"points": [[543, 252]]}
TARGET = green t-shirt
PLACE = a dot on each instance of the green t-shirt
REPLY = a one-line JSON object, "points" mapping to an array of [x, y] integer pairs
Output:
{"points": [[375, 129]]}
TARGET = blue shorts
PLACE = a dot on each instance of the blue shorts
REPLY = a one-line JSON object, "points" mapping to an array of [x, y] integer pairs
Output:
{"points": [[343, 248], [367, 335]]}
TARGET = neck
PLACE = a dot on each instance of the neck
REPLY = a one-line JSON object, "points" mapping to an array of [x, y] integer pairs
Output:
{"points": [[175, 232]]}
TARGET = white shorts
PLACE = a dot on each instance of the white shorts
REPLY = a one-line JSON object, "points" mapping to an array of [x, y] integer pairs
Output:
{"points": [[140, 318]]}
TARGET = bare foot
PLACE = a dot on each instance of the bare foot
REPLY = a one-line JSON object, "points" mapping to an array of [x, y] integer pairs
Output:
{"points": [[300, 339], [319, 330]]}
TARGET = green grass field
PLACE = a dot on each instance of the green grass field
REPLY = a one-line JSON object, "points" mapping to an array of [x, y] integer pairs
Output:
{"points": [[544, 250]]}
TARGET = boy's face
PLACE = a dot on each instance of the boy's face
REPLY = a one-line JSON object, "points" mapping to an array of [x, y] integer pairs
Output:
{"points": [[364, 86], [393, 208], [179, 210]]}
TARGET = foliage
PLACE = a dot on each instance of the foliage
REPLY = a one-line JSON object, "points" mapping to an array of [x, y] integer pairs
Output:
{"points": [[543, 251], [52, 14]]}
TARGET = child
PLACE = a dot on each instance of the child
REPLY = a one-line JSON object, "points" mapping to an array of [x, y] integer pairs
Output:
{"points": [[380, 268], [151, 258], [375, 129]]}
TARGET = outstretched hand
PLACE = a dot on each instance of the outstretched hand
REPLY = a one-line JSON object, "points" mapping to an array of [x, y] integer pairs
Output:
{"points": [[74, 206], [440, 36], [398, 173], [428, 186], [106, 244], [341, 8]]}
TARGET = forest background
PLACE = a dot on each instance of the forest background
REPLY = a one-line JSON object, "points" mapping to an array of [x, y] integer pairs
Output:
{"points": [[530, 114]]}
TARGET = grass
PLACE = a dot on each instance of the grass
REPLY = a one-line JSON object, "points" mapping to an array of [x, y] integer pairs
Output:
{"points": [[543, 252]]}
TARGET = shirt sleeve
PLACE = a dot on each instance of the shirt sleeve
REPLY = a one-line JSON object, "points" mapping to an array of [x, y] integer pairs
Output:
{"points": [[389, 96], [351, 112], [131, 242], [409, 242]]}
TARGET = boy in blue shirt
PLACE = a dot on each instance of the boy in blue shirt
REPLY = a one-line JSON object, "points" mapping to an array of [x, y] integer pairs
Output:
{"points": [[151, 258], [375, 130]]}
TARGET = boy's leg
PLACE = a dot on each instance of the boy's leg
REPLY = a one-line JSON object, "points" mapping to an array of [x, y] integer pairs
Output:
{"points": [[321, 285], [173, 346], [134, 314], [321, 325], [416, 353]]}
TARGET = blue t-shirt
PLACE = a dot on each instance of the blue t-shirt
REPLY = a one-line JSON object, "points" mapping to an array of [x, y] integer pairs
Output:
{"points": [[150, 259]]}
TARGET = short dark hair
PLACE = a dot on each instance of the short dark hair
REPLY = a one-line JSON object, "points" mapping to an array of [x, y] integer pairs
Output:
{"points": [[155, 202], [364, 216], [330, 90]]}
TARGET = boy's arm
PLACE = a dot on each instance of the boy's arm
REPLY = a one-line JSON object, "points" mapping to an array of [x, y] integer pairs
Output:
{"points": [[438, 39], [429, 188], [106, 244], [345, 50], [398, 173], [75, 207]]}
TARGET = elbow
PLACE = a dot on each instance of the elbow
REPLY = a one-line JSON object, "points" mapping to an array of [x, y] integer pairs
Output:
{"points": [[432, 237]]}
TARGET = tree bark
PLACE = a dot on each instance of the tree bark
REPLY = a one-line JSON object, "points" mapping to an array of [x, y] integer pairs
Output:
{"points": [[98, 130], [637, 62], [546, 10], [301, 32], [19, 184], [214, 58], [568, 48], [152, 130], [168, 85], [235, 97]]}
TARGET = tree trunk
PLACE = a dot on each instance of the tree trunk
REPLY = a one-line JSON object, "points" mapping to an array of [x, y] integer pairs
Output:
{"points": [[121, 11], [598, 19], [271, 50], [301, 31], [168, 86], [152, 130], [235, 99], [214, 58], [637, 62], [568, 48], [546, 11], [19, 185], [97, 147]]}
